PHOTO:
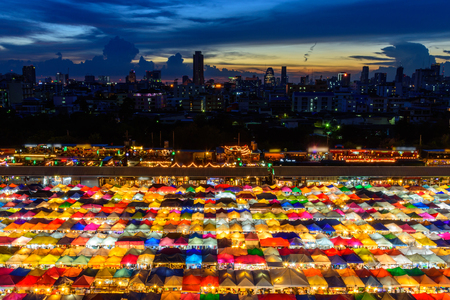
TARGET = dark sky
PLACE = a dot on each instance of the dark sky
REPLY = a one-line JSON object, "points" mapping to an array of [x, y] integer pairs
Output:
{"points": [[245, 37]]}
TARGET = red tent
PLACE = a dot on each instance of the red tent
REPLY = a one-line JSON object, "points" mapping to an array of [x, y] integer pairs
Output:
{"points": [[210, 281], [5, 271], [45, 281], [83, 282], [249, 260], [332, 252], [276, 297], [284, 251], [191, 283], [338, 241], [423, 296], [129, 259], [28, 281], [380, 273], [7, 281], [274, 242], [5, 241], [80, 241], [55, 272]]}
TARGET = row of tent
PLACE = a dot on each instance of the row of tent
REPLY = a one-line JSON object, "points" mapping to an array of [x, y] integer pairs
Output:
{"points": [[197, 279], [270, 257], [173, 295]]}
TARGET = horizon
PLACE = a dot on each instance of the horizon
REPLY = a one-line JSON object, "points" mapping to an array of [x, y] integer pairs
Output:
{"points": [[309, 38]]}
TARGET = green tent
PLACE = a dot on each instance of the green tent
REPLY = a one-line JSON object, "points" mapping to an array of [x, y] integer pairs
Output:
{"points": [[209, 296], [414, 272], [358, 187], [364, 296], [255, 251], [123, 273], [344, 189], [296, 190], [397, 271], [390, 236]]}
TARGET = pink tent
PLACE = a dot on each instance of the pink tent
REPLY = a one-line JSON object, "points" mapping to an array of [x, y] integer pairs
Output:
{"points": [[91, 227], [305, 215], [225, 258], [166, 241], [15, 296], [354, 242], [445, 235]]}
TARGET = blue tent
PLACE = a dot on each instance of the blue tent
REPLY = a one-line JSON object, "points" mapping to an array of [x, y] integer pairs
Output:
{"points": [[151, 242], [20, 272], [397, 242], [337, 260], [194, 259], [371, 281], [353, 259], [313, 227], [78, 226], [379, 227]]}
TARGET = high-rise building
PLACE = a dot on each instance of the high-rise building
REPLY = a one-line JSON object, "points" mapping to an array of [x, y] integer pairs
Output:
{"points": [[153, 76], [269, 78], [344, 78], [29, 74], [380, 78], [103, 78], [284, 78], [199, 77], [89, 78], [436, 69], [365, 75], [399, 75], [62, 78], [131, 78], [186, 80]]}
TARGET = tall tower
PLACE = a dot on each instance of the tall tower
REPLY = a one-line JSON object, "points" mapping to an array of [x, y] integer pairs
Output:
{"points": [[198, 68], [365, 75], [284, 78], [269, 78], [29, 74], [399, 75]]}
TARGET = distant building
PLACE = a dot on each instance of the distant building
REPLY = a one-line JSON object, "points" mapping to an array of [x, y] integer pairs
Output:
{"points": [[153, 76], [344, 78], [365, 75], [399, 75], [64, 100], [29, 74], [62, 78], [186, 80], [198, 67], [269, 78], [148, 101], [103, 79], [131, 78], [380, 78], [18, 91], [284, 77], [89, 78], [313, 102]]}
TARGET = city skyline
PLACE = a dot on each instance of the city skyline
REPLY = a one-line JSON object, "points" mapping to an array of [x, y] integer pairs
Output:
{"points": [[244, 39]]}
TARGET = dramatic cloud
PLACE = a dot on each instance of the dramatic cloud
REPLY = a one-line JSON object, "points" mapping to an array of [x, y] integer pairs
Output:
{"points": [[410, 56], [368, 57]]}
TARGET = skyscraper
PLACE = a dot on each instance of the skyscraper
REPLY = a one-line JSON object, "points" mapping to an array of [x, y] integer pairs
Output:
{"points": [[380, 78], [284, 78], [399, 75], [344, 78], [365, 75], [29, 74], [269, 78], [198, 68], [131, 78]]}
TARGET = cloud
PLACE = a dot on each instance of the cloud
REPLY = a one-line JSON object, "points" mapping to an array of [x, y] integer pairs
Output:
{"points": [[307, 54], [368, 57], [2, 48], [446, 51], [411, 56], [442, 56]]}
